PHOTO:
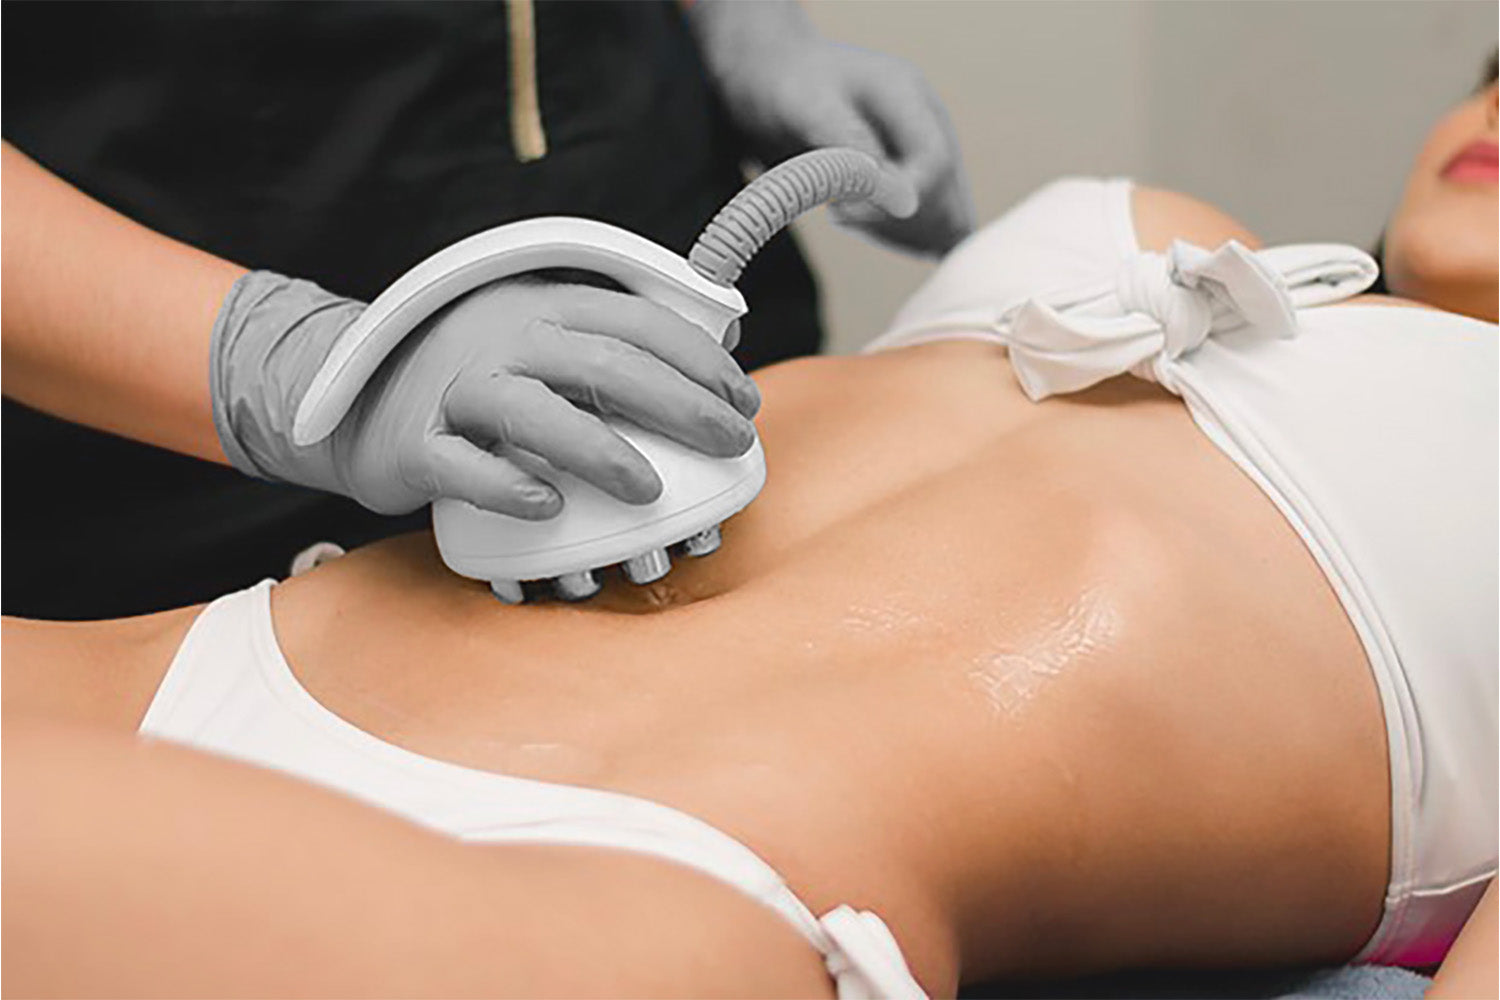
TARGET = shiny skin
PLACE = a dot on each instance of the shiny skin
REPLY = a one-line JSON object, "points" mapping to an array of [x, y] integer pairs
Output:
{"points": [[1052, 688]]}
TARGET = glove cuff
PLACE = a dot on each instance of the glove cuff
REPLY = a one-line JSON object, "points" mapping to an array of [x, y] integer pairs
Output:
{"points": [[269, 340]]}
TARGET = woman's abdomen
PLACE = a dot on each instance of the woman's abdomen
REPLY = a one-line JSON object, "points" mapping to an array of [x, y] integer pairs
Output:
{"points": [[1031, 668]]}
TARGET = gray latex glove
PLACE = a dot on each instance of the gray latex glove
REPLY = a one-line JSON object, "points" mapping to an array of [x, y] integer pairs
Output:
{"points": [[789, 89], [473, 399]]}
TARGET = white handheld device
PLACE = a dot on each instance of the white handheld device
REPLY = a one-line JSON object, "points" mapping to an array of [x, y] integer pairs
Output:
{"points": [[595, 530]]}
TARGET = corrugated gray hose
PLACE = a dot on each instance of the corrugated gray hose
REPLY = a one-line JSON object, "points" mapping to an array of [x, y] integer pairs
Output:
{"points": [[769, 203]]}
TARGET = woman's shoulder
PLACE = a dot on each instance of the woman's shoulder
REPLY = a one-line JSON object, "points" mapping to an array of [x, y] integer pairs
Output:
{"points": [[1161, 215]]}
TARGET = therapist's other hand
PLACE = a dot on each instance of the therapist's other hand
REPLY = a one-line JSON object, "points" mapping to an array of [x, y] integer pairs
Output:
{"points": [[483, 400], [789, 89]]}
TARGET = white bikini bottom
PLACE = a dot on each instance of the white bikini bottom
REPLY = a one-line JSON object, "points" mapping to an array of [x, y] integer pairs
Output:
{"points": [[230, 691]]}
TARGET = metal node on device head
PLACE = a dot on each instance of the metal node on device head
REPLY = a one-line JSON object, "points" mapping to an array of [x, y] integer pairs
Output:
{"points": [[773, 200], [702, 543], [648, 567], [578, 586]]}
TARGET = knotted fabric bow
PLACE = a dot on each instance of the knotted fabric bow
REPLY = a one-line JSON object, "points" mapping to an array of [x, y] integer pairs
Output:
{"points": [[1159, 307]]}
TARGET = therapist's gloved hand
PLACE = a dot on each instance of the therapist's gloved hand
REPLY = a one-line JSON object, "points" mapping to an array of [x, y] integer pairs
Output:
{"points": [[789, 89], [467, 404]]}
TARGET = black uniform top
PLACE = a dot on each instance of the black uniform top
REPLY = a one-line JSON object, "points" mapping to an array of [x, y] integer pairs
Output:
{"points": [[338, 142]]}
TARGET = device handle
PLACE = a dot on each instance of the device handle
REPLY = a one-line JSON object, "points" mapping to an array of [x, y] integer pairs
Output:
{"points": [[645, 268]]}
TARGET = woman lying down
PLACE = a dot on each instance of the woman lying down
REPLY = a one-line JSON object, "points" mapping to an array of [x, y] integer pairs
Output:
{"points": [[1192, 668]]}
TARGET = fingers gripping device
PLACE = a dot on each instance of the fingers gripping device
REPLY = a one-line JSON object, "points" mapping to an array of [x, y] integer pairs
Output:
{"points": [[594, 529]]}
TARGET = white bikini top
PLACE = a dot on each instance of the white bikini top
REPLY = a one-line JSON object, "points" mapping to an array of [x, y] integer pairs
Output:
{"points": [[1371, 427], [230, 691]]}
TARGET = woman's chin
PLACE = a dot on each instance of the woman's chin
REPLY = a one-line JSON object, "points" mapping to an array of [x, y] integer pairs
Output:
{"points": [[1453, 267]]}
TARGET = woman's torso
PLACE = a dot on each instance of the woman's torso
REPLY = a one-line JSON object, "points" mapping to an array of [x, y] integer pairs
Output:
{"points": [[1041, 677]]}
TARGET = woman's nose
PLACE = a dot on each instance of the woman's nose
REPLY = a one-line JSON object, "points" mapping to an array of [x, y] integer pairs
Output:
{"points": [[1492, 106]]}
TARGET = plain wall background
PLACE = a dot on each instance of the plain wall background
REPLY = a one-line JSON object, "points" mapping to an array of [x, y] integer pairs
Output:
{"points": [[1300, 118]]}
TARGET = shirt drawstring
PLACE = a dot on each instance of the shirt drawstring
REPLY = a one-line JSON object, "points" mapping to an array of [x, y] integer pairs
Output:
{"points": [[527, 135]]}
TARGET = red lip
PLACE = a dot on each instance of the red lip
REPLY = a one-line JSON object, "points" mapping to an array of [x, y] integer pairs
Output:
{"points": [[1477, 163]]}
